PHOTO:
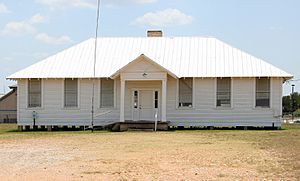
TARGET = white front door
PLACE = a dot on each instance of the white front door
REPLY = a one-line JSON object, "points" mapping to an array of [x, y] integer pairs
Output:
{"points": [[145, 102]]}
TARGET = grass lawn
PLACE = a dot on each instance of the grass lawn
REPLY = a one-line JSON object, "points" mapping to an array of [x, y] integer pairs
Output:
{"points": [[173, 155]]}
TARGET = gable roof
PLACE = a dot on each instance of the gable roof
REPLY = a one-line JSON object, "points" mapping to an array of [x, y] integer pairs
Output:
{"points": [[4, 96], [140, 58], [183, 56]]}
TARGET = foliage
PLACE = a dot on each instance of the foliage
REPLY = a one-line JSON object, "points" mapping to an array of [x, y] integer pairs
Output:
{"points": [[297, 113], [288, 106]]}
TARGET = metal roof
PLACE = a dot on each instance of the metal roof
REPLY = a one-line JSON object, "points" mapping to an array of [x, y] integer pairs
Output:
{"points": [[183, 56]]}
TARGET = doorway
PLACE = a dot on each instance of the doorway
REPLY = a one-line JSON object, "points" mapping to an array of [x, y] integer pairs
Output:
{"points": [[145, 104]]}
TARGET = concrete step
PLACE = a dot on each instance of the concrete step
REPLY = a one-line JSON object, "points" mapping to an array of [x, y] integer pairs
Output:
{"points": [[146, 129]]}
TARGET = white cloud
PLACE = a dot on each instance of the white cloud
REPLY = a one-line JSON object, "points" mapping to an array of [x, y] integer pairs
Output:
{"points": [[37, 19], [17, 28], [3, 8], [91, 4], [126, 2], [61, 4], [164, 18], [45, 38]]}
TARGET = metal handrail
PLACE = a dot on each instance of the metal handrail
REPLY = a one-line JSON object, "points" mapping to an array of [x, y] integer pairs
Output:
{"points": [[104, 113], [156, 117]]}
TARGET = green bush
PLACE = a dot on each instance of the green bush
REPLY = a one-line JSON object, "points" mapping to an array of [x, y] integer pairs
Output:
{"points": [[297, 113]]}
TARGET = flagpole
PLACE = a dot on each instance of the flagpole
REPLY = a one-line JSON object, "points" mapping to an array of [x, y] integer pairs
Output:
{"points": [[94, 66]]}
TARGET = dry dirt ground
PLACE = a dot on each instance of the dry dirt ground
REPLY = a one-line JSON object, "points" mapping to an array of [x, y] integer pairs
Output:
{"points": [[173, 155]]}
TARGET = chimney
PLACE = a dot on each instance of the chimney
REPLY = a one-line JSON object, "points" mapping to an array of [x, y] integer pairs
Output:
{"points": [[154, 33]]}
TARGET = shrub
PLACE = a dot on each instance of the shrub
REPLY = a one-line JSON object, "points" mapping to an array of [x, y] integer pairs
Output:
{"points": [[297, 113]]}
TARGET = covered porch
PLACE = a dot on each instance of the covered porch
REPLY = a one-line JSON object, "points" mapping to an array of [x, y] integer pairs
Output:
{"points": [[143, 90]]}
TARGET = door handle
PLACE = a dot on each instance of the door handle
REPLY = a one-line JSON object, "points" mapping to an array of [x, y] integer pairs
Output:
{"points": [[140, 107]]}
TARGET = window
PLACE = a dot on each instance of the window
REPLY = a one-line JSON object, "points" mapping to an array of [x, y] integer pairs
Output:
{"points": [[34, 93], [224, 92], [135, 99], [156, 99], [185, 92], [262, 92], [71, 92], [107, 93]]}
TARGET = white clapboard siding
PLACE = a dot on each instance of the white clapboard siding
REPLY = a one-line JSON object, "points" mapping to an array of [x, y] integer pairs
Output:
{"points": [[204, 111], [53, 112], [242, 112]]}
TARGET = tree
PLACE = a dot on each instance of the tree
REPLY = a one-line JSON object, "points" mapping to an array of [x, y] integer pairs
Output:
{"points": [[297, 113], [288, 106]]}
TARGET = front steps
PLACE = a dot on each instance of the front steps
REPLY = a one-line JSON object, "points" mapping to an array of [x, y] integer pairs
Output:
{"points": [[139, 126]]}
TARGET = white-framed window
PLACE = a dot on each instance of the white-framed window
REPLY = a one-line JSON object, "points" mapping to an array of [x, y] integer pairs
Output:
{"points": [[223, 92], [262, 94], [71, 92], [185, 92], [107, 92], [34, 93]]}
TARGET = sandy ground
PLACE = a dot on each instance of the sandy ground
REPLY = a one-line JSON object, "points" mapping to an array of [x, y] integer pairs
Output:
{"points": [[181, 155]]}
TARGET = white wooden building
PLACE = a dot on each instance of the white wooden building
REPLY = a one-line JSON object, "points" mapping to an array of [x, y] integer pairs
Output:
{"points": [[187, 81]]}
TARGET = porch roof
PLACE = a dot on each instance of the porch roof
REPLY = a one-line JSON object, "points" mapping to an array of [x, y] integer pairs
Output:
{"points": [[142, 57]]}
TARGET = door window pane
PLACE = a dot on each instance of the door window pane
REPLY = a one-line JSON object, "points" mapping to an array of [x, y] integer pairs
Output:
{"points": [[156, 99], [135, 99]]}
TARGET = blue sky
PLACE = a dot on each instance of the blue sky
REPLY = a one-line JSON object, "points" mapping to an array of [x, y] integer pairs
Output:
{"points": [[31, 30]]}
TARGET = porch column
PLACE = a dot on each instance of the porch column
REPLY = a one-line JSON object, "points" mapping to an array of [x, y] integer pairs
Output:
{"points": [[122, 101], [164, 101]]}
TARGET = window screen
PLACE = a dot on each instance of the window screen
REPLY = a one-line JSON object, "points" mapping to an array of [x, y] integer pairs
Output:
{"points": [[34, 93], [71, 92], [185, 92], [224, 92], [107, 93], [262, 92]]}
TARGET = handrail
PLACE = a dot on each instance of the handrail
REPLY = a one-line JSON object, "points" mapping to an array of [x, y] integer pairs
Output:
{"points": [[156, 116], [101, 114]]}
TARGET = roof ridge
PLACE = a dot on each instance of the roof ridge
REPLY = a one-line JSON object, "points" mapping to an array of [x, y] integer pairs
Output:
{"points": [[164, 37]]}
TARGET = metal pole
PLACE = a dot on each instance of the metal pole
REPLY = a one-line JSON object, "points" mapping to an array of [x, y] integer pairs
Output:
{"points": [[156, 117], [95, 58], [292, 96]]}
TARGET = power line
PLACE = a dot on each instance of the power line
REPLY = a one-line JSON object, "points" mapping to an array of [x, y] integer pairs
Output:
{"points": [[294, 80], [95, 58]]}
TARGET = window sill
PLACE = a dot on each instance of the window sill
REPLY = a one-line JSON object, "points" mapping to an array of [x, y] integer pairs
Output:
{"points": [[223, 108], [185, 108], [71, 108], [262, 108], [106, 108], [34, 108]]}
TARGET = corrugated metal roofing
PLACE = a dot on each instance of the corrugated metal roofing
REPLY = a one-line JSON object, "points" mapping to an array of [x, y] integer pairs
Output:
{"points": [[184, 56]]}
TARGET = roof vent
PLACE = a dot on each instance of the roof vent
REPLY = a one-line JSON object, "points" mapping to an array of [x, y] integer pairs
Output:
{"points": [[154, 33]]}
